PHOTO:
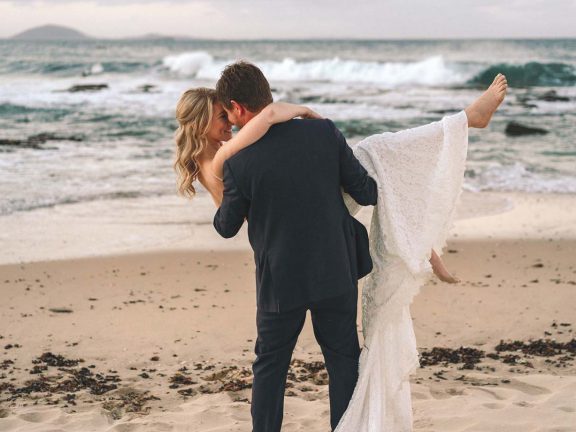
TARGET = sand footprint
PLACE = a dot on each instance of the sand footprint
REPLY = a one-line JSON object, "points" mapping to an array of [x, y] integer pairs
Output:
{"points": [[493, 405], [40, 416], [419, 396], [491, 393], [567, 409], [528, 388], [126, 427]]}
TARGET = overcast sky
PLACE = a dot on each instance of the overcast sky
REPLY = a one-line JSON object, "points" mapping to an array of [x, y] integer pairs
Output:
{"points": [[286, 19]]}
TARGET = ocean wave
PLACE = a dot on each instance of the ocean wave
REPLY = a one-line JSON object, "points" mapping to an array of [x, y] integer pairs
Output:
{"points": [[517, 178], [28, 204], [433, 71], [62, 68], [531, 74], [9, 110]]}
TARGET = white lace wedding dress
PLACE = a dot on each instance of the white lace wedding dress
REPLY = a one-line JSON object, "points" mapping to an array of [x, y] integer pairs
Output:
{"points": [[419, 174]]}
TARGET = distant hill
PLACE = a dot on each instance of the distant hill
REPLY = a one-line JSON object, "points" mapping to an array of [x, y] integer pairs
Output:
{"points": [[50, 32]]}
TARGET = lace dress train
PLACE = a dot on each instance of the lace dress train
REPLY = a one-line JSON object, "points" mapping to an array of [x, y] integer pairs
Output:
{"points": [[419, 173]]}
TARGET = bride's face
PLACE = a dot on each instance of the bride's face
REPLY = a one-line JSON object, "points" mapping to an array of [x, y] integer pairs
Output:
{"points": [[220, 128]]}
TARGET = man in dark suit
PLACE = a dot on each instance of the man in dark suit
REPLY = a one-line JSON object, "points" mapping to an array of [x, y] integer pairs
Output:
{"points": [[288, 187]]}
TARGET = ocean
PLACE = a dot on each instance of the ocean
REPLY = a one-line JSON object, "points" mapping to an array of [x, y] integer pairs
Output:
{"points": [[62, 146]]}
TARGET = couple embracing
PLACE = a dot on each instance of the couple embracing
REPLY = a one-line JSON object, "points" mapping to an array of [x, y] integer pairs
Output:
{"points": [[297, 184]]}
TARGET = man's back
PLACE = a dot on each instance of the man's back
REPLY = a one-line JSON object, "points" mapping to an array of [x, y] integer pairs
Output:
{"points": [[287, 185]]}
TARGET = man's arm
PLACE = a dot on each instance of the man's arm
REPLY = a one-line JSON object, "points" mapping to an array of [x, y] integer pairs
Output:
{"points": [[234, 208], [354, 178]]}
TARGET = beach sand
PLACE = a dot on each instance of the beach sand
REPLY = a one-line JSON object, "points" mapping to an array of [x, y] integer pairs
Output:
{"points": [[134, 315]]}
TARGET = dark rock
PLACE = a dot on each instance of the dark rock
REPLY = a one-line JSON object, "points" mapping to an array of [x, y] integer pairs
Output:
{"points": [[35, 141], [517, 129], [552, 96], [147, 88], [87, 87]]}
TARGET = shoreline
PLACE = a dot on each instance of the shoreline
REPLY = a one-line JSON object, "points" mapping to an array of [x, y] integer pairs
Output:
{"points": [[171, 223]]}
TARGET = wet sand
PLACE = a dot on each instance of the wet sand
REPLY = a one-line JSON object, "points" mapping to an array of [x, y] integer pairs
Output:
{"points": [[163, 340]]}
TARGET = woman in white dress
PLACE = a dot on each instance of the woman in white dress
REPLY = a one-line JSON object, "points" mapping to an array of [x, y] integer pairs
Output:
{"points": [[419, 173]]}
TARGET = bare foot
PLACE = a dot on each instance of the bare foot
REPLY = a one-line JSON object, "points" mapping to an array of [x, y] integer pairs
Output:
{"points": [[440, 269], [480, 111], [445, 276]]}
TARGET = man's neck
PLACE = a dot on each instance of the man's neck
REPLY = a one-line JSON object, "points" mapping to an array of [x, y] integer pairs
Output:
{"points": [[249, 116]]}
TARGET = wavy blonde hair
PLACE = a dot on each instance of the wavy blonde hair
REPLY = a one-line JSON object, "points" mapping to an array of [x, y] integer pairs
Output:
{"points": [[194, 114]]}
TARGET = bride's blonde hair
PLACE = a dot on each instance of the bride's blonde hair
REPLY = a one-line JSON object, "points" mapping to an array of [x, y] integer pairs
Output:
{"points": [[194, 114]]}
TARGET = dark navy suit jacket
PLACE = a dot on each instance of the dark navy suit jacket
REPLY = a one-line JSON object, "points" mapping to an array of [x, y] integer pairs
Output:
{"points": [[287, 186]]}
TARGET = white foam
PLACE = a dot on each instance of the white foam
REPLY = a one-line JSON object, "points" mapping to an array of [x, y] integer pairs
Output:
{"points": [[516, 177], [97, 69], [433, 71], [189, 64]]}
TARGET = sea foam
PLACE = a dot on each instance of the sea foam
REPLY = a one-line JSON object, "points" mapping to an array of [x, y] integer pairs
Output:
{"points": [[432, 71]]}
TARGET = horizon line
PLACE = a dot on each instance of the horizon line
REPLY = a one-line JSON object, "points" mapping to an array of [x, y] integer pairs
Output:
{"points": [[289, 39]]}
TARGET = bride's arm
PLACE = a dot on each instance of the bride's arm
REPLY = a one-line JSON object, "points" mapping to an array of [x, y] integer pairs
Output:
{"points": [[255, 129]]}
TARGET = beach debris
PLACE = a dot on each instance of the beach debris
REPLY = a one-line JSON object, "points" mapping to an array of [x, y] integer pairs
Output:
{"points": [[469, 357], [188, 392], [38, 369], [127, 400], [301, 371], [6, 364], [539, 347], [517, 129], [61, 310], [10, 346], [229, 379], [514, 353], [69, 379], [179, 379]]}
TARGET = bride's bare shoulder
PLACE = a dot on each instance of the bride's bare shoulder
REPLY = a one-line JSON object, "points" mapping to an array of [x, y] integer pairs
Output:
{"points": [[204, 167]]}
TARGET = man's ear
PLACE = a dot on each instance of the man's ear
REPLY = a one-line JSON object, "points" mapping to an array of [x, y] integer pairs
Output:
{"points": [[237, 108]]}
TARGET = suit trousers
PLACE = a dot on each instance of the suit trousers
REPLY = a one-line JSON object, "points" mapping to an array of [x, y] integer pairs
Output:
{"points": [[334, 323]]}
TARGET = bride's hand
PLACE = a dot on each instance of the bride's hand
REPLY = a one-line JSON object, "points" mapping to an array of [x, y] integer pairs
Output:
{"points": [[310, 114], [279, 112]]}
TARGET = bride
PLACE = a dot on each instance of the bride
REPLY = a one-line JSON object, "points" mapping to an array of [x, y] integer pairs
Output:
{"points": [[419, 173]]}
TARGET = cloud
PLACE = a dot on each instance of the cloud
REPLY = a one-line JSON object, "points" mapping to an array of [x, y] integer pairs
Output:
{"points": [[249, 19]]}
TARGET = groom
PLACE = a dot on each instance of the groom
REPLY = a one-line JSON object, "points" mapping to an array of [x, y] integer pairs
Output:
{"points": [[287, 186]]}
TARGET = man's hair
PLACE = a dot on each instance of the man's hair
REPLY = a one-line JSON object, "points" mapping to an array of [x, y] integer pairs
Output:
{"points": [[244, 83]]}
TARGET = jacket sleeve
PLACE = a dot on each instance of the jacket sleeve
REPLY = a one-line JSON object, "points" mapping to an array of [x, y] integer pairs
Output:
{"points": [[354, 178], [234, 208]]}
